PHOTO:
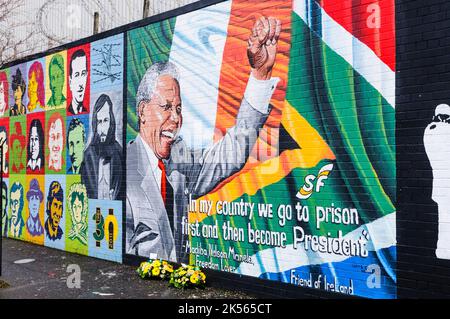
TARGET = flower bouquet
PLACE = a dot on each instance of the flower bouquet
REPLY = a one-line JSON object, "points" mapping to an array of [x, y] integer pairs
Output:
{"points": [[188, 277], [155, 269]]}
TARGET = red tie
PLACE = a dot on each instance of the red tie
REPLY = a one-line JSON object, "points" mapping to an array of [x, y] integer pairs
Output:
{"points": [[163, 180]]}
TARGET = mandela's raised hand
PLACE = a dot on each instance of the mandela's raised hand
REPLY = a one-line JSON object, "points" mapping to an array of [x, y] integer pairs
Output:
{"points": [[262, 46]]}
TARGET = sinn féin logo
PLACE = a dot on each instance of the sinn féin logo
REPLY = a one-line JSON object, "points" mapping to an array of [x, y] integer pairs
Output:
{"points": [[314, 183]]}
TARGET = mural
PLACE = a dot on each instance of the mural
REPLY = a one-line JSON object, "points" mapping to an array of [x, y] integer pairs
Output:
{"points": [[259, 141], [239, 156]]}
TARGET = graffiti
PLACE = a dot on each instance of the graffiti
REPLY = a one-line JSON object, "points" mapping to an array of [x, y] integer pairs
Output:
{"points": [[54, 211], [34, 198], [259, 141], [104, 68], [16, 221], [78, 209], [56, 75], [102, 167]]}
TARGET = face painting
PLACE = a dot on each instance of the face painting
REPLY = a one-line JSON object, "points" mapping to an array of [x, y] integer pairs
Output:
{"points": [[34, 143], [56, 212], [78, 79], [76, 146], [15, 206]]}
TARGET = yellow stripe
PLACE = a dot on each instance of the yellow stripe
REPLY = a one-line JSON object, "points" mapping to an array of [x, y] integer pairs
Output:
{"points": [[313, 150]]}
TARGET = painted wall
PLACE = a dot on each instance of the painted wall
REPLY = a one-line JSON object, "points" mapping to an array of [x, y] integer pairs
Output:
{"points": [[250, 137]]}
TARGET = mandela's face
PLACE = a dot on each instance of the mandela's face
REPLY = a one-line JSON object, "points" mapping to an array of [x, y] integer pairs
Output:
{"points": [[161, 118]]}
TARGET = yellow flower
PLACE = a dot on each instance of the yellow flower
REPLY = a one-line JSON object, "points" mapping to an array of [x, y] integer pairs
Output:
{"points": [[203, 276], [194, 278], [155, 272], [156, 263], [146, 268]]}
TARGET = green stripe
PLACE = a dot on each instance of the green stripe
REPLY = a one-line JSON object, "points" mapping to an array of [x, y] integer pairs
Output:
{"points": [[145, 46]]}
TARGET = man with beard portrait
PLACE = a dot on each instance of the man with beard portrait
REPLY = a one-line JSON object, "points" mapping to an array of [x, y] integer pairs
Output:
{"points": [[101, 170]]}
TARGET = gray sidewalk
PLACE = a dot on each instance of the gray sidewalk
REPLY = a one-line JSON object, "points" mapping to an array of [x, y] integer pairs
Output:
{"points": [[46, 277]]}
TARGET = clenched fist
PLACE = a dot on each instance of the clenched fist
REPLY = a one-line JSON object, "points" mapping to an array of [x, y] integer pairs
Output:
{"points": [[262, 46]]}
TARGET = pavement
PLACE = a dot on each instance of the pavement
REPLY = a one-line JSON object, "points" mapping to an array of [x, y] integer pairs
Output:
{"points": [[31, 271]]}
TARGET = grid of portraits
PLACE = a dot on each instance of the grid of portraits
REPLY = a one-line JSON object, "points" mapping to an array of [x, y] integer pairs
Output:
{"points": [[61, 119]]}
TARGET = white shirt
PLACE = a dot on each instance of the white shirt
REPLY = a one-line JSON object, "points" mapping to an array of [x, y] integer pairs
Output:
{"points": [[157, 173], [258, 94]]}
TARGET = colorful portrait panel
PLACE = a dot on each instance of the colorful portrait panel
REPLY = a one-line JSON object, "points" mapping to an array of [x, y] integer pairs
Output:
{"points": [[78, 80], [36, 86], [55, 212], [55, 138], [55, 81]]}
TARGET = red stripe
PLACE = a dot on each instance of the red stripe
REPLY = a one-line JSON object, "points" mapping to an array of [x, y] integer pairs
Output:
{"points": [[355, 16]]}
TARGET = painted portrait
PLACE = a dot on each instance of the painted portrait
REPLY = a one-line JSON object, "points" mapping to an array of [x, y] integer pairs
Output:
{"points": [[35, 198], [4, 93], [16, 200], [18, 145], [35, 145], [5, 225], [18, 87], [77, 203], [4, 136], [56, 81], [54, 211], [55, 138], [76, 143], [101, 171], [78, 79], [36, 87]]}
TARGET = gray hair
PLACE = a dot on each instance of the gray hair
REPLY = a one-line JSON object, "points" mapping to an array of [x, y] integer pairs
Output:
{"points": [[148, 82]]}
